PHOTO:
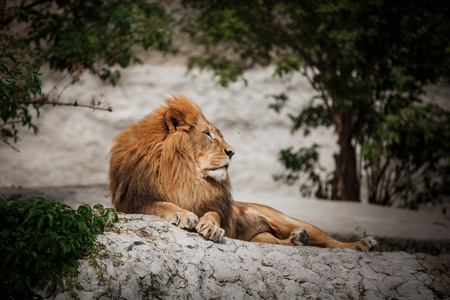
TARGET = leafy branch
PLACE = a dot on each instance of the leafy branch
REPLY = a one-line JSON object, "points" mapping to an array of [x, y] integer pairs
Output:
{"points": [[70, 37], [42, 241], [20, 87], [5, 140]]}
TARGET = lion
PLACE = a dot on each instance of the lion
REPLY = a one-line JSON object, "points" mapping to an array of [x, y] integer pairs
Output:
{"points": [[174, 164]]}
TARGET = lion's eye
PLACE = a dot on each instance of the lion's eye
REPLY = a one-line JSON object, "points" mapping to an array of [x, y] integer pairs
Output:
{"points": [[207, 133]]}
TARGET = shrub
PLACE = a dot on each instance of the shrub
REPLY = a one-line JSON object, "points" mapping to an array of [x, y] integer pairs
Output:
{"points": [[42, 241]]}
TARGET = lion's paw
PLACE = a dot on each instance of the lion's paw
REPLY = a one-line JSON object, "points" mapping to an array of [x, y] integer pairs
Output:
{"points": [[366, 244], [299, 237], [209, 230], [187, 220]]}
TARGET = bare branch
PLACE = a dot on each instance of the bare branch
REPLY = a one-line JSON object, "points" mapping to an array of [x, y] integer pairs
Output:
{"points": [[4, 140], [10, 122], [58, 83], [76, 104]]}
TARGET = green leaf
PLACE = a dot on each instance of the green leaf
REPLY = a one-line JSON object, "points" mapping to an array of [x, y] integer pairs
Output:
{"points": [[50, 219], [27, 246]]}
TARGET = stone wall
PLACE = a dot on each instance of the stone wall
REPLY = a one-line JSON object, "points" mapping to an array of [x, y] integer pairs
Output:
{"points": [[150, 258]]}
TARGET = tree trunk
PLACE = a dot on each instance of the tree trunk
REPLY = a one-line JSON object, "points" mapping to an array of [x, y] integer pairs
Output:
{"points": [[346, 181]]}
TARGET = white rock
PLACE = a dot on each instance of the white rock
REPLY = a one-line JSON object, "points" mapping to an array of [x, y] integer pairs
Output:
{"points": [[186, 266]]}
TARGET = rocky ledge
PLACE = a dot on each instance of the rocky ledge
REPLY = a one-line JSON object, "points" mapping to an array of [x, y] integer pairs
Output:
{"points": [[150, 258]]}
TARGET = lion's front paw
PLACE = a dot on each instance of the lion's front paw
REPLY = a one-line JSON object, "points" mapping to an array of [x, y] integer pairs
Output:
{"points": [[299, 237], [209, 230], [366, 244], [187, 220]]}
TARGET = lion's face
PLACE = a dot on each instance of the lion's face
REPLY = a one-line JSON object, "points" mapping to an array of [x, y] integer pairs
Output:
{"points": [[211, 153]]}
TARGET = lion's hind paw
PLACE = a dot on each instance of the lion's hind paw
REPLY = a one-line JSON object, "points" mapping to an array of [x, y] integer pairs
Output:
{"points": [[299, 237], [367, 244]]}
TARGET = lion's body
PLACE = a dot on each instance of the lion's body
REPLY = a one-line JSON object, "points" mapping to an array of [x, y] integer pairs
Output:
{"points": [[174, 163]]}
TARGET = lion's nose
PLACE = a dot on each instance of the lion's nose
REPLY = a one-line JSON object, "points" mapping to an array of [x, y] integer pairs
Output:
{"points": [[229, 153]]}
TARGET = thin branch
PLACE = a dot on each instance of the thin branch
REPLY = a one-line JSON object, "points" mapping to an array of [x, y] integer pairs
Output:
{"points": [[4, 140], [58, 83], [79, 70], [76, 104], [10, 122], [63, 89], [33, 4]]}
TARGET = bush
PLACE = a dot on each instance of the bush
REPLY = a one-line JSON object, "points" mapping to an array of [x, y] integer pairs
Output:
{"points": [[408, 161], [42, 241]]}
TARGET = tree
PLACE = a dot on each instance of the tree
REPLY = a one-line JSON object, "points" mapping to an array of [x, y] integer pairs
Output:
{"points": [[72, 37], [408, 159], [368, 61]]}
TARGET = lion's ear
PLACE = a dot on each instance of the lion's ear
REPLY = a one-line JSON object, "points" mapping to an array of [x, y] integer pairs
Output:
{"points": [[175, 120]]}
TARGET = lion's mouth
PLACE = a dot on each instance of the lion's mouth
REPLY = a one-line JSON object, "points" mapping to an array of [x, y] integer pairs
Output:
{"points": [[219, 168], [219, 174]]}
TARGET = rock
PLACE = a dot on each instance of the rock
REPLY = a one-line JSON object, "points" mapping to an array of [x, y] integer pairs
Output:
{"points": [[150, 257]]}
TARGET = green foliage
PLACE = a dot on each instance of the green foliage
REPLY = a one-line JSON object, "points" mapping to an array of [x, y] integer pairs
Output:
{"points": [[313, 116], [408, 161], [365, 60], [18, 82], [226, 71], [96, 34], [70, 36], [304, 161], [232, 33], [42, 241], [280, 102]]}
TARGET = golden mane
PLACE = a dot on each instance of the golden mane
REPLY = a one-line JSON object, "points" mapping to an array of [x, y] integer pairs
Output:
{"points": [[151, 161]]}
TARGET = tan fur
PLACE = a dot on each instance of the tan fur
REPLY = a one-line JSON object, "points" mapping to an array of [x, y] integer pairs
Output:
{"points": [[174, 163]]}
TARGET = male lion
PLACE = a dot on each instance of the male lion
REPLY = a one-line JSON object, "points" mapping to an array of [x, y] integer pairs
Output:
{"points": [[173, 164]]}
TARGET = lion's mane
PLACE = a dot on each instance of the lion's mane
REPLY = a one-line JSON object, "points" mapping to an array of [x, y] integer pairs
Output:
{"points": [[150, 162]]}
